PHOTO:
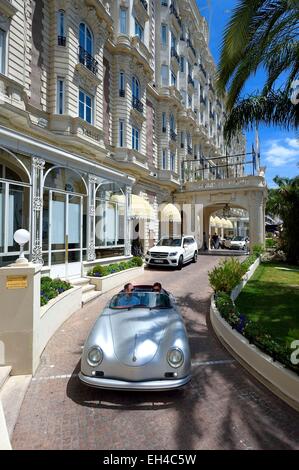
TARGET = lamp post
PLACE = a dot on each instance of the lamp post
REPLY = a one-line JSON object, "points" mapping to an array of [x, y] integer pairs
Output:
{"points": [[22, 237]]}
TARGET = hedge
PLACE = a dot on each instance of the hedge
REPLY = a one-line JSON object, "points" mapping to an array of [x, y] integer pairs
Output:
{"points": [[104, 270]]}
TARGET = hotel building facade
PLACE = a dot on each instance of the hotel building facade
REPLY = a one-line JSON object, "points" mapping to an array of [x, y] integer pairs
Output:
{"points": [[108, 111]]}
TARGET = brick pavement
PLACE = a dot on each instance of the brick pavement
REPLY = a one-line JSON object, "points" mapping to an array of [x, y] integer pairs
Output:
{"points": [[222, 408]]}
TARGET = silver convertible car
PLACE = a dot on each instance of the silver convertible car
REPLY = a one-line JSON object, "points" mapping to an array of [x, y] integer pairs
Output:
{"points": [[139, 342]]}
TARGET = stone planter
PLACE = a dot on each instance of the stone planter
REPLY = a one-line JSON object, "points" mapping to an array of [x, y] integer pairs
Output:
{"points": [[281, 381], [111, 281], [55, 313]]}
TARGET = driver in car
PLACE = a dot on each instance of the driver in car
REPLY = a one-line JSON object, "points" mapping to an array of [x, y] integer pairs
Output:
{"points": [[127, 298]]}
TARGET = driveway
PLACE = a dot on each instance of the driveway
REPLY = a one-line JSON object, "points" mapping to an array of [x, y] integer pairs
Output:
{"points": [[222, 408]]}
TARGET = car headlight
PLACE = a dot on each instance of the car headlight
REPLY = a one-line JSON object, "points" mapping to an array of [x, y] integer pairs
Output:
{"points": [[175, 357], [173, 254], [95, 356]]}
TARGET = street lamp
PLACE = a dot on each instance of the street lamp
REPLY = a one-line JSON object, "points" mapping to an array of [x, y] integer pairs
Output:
{"points": [[22, 237]]}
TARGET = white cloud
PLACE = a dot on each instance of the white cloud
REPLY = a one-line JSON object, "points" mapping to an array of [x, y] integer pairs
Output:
{"points": [[282, 152]]}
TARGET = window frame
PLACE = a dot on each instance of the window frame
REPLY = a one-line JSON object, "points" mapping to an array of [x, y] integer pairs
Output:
{"points": [[164, 28], [139, 30], [125, 19], [121, 133], [3, 57], [135, 138], [60, 95]]}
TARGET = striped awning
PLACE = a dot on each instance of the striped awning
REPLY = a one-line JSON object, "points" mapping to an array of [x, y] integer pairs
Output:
{"points": [[140, 208]]}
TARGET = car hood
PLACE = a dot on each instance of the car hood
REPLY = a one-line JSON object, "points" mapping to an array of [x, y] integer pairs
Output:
{"points": [[164, 249], [137, 334]]}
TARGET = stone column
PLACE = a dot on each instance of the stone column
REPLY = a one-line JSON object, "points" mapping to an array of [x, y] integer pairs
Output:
{"points": [[91, 254], [257, 219], [127, 221], [38, 165]]}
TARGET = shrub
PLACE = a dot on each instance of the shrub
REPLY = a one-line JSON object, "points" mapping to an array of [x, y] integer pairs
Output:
{"points": [[257, 250], [227, 275], [247, 263], [271, 243], [51, 288], [227, 308], [101, 271]]}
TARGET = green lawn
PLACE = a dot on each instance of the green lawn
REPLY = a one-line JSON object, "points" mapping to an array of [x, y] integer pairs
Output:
{"points": [[271, 298]]}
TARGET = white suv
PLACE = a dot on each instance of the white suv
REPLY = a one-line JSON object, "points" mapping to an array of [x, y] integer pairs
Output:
{"points": [[174, 251]]}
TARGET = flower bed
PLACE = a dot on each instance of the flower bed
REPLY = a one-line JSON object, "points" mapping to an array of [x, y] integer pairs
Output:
{"points": [[105, 270], [51, 288], [254, 333]]}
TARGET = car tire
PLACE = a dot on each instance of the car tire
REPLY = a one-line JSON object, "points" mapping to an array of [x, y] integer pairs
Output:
{"points": [[180, 263], [194, 259]]}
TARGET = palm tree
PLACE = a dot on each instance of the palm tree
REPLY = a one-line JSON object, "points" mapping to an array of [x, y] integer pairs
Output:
{"points": [[284, 202], [260, 34]]}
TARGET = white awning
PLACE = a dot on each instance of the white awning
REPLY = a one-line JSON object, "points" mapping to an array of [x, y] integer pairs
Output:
{"points": [[212, 222], [140, 208], [170, 213], [218, 222]]}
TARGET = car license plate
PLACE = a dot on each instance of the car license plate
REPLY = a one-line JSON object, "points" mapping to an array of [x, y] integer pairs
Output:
{"points": [[158, 261]]}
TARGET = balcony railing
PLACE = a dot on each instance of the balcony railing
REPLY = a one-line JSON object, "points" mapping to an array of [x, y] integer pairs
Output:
{"points": [[173, 135], [61, 41], [144, 3], [189, 44], [197, 170], [173, 11], [136, 103], [122, 93], [190, 80], [175, 54], [87, 60]]}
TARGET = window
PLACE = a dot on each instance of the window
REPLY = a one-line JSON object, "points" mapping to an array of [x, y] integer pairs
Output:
{"points": [[123, 21], [139, 30], [121, 84], [189, 101], [182, 63], [164, 3], [135, 138], [61, 28], [164, 35], [121, 132], [2, 51], [164, 75], [85, 106], [60, 96], [164, 159], [172, 122], [182, 139], [135, 88], [173, 78], [172, 162], [164, 122], [85, 38], [173, 41]]}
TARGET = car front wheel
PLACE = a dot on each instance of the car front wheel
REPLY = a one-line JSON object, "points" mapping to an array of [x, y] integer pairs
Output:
{"points": [[180, 263]]}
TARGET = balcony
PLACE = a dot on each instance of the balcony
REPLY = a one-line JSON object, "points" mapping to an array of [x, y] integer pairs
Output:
{"points": [[190, 81], [175, 54], [190, 45], [137, 104], [174, 12], [87, 60], [61, 41], [173, 135]]}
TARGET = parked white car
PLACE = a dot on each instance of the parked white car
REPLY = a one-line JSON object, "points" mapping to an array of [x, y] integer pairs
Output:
{"points": [[238, 243], [174, 251]]}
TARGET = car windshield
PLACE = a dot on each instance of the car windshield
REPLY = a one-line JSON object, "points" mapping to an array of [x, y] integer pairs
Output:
{"points": [[140, 299], [170, 242], [238, 239]]}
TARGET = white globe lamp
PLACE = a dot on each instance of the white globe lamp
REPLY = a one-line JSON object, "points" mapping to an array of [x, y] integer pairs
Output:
{"points": [[22, 237]]}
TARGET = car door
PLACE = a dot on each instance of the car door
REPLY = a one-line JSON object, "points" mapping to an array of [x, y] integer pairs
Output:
{"points": [[185, 248], [191, 247]]}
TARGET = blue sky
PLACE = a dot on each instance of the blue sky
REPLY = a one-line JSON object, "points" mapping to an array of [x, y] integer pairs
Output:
{"points": [[279, 148]]}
